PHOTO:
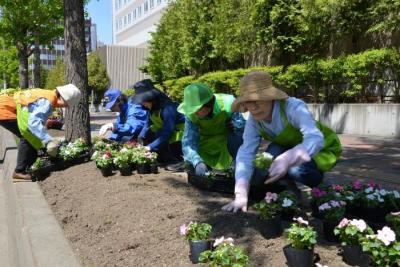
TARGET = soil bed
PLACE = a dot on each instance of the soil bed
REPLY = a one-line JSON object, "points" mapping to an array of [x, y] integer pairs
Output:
{"points": [[134, 220]]}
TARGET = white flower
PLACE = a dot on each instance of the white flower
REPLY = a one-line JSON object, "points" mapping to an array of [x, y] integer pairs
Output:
{"points": [[287, 202], [369, 190], [395, 213], [359, 224], [396, 194], [320, 265], [386, 235], [383, 192], [123, 150], [338, 194], [221, 240], [324, 206], [267, 156], [300, 220], [350, 198], [335, 203], [381, 199], [371, 197]]}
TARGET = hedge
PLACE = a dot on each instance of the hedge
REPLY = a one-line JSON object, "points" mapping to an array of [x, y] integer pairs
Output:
{"points": [[344, 79]]}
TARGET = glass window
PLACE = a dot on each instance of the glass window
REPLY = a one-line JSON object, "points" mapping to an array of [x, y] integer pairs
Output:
{"points": [[158, 2], [134, 14], [125, 20], [146, 6], [151, 4], [139, 11], [129, 18]]}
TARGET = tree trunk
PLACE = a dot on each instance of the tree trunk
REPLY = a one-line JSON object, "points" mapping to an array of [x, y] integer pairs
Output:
{"points": [[77, 117], [36, 64], [23, 65]]}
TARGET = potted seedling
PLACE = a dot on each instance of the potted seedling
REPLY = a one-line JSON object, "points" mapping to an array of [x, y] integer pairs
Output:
{"points": [[269, 209], [104, 161], [143, 159], [289, 205], [351, 234], [302, 239], [332, 212], [263, 160], [225, 253], [123, 162], [198, 236], [383, 248], [71, 152]]}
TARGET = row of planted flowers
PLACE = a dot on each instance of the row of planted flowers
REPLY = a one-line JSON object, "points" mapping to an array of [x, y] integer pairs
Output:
{"points": [[110, 156], [360, 245]]}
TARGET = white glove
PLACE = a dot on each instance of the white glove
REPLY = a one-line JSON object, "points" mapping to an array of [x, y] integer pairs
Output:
{"points": [[105, 128], [240, 202], [291, 158], [147, 148], [52, 147]]}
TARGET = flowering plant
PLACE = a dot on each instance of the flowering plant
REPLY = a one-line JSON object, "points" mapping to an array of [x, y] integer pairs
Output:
{"points": [[39, 163], [371, 197], [196, 231], [103, 160], [123, 159], [263, 160], [333, 210], [73, 149], [288, 202], [140, 155], [105, 144], [352, 232], [394, 220], [224, 254], [383, 248], [269, 207], [300, 235]]}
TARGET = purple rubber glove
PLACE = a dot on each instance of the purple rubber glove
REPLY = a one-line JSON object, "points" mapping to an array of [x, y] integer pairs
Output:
{"points": [[241, 197]]}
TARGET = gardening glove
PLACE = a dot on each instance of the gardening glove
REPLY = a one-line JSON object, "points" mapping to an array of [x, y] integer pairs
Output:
{"points": [[52, 147], [201, 169], [105, 128], [291, 158], [241, 196]]}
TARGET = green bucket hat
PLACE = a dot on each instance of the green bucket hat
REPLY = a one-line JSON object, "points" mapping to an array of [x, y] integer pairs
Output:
{"points": [[195, 96]]}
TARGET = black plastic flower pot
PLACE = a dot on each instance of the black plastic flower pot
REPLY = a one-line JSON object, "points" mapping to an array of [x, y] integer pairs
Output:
{"points": [[329, 228], [154, 168], [298, 257], [315, 211], [287, 215], [271, 228], [143, 168], [106, 171], [354, 256], [126, 171], [197, 247]]}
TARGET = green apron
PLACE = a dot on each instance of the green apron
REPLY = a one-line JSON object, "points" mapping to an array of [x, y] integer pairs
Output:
{"points": [[157, 124], [325, 159], [22, 120], [213, 145]]}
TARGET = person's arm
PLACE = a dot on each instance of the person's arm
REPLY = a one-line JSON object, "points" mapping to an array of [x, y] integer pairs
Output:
{"points": [[39, 111], [190, 143], [135, 120], [301, 118], [247, 151], [168, 117]]}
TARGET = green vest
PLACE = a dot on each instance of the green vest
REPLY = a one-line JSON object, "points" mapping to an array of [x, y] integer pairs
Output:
{"points": [[213, 145], [22, 120], [157, 124], [325, 159]]}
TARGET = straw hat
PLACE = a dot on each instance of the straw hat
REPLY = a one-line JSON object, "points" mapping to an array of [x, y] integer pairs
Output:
{"points": [[256, 86]]}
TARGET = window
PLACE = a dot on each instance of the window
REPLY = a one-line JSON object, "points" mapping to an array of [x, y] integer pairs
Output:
{"points": [[129, 18], [139, 11], [120, 24], [151, 4], [146, 6], [116, 4], [125, 20], [158, 2], [134, 14], [116, 25]]}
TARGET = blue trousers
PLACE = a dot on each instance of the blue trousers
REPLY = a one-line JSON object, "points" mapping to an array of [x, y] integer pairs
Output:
{"points": [[307, 173]]}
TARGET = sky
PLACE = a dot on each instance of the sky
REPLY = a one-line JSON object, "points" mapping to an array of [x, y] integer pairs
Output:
{"points": [[101, 13]]}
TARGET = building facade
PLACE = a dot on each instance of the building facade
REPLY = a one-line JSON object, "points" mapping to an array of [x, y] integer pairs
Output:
{"points": [[134, 20]]}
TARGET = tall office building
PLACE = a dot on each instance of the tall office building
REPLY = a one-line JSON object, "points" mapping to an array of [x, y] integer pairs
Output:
{"points": [[133, 20]]}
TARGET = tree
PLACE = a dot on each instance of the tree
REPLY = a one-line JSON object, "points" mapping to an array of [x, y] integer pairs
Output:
{"points": [[98, 78], [77, 117], [56, 76], [22, 22], [8, 65]]}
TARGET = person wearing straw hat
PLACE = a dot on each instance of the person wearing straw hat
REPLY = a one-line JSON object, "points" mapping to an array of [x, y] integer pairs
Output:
{"points": [[302, 148], [164, 129], [24, 113], [212, 133], [131, 118]]}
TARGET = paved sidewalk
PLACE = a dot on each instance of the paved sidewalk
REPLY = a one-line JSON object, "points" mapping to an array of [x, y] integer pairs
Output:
{"points": [[368, 158]]}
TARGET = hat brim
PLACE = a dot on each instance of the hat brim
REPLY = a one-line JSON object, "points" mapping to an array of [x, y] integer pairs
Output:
{"points": [[146, 96], [188, 110], [237, 105], [110, 104]]}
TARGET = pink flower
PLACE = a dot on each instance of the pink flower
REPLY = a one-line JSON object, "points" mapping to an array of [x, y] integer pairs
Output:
{"points": [[184, 229], [221, 240], [337, 188], [271, 197], [300, 220], [357, 185], [343, 223], [371, 184], [318, 192]]}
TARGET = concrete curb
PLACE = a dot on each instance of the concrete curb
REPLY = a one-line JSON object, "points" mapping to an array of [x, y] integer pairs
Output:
{"points": [[33, 235]]}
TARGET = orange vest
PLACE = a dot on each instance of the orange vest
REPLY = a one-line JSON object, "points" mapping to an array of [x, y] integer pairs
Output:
{"points": [[25, 97]]}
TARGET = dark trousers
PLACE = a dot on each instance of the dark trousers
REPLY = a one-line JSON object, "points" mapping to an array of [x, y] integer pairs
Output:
{"points": [[168, 153], [27, 154]]}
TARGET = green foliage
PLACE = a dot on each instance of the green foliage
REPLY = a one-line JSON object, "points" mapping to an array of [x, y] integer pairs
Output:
{"points": [[269, 207], [55, 76], [394, 221], [98, 79], [382, 255], [225, 255], [8, 65], [196, 231], [73, 150], [263, 160], [301, 236], [128, 92], [352, 232], [385, 16]]}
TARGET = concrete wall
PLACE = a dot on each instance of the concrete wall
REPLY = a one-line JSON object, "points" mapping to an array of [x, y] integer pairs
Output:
{"points": [[360, 119]]}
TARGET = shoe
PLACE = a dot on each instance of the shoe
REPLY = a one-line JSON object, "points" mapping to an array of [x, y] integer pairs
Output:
{"points": [[21, 177], [177, 167]]}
